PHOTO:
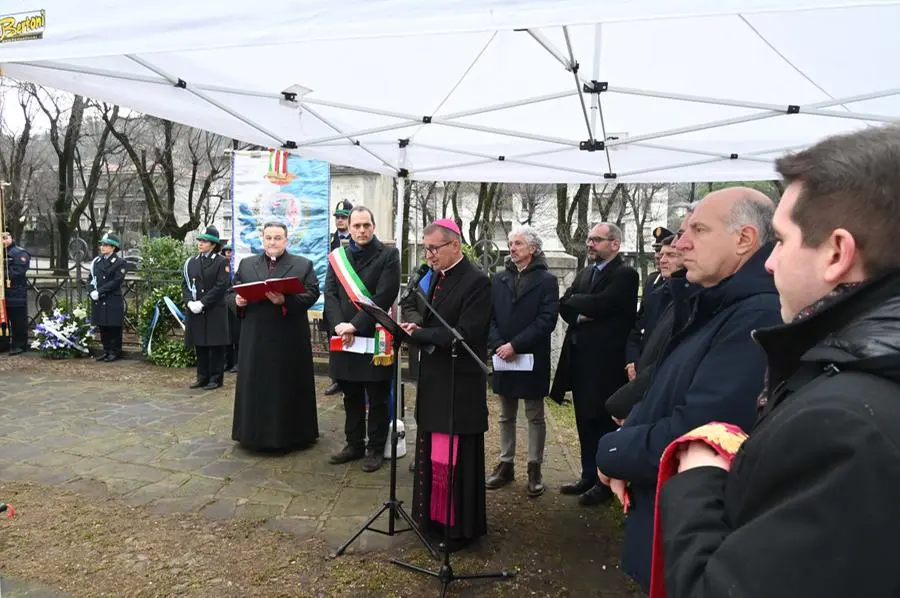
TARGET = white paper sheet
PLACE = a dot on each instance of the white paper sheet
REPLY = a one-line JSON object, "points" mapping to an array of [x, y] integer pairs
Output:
{"points": [[360, 344], [523, 362]]}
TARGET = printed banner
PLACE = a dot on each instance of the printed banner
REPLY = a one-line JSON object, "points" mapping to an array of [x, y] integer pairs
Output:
{"points": [[277, 186]]}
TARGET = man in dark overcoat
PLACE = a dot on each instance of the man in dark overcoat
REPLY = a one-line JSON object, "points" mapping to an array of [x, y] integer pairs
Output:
{"points": [[107, 303], [525, 310], [16, 261], [359, 375], [461, 294], [599, 308], [275, 397], [206, 280]]}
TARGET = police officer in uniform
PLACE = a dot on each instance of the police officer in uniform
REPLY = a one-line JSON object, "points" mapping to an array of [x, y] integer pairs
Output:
{"points": [[17, 262], [653, 281], [234, 322], [207, 276], [107, 303], [341, 233]]}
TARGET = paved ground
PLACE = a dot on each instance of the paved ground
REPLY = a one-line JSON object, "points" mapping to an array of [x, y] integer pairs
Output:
{"points": [[170, 449]]}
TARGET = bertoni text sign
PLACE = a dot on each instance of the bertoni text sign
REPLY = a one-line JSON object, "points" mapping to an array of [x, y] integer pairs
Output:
{"points": [[22, 26]]}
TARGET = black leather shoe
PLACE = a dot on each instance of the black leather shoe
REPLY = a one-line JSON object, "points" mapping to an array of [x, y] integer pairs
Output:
{"points": [[199, 384], [373, 461], [233, 370], [16, 351], [212, 386], [579, 487], [111, 357], [333, 389], [347, 454], [102, 357], [502, 475], [595, 496]]}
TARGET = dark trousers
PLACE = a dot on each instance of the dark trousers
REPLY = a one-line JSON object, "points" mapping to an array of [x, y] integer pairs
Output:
{"points": [[18, 324], [210, 364], [111, 338], [590, 429], [355, 425], [231, 353]]}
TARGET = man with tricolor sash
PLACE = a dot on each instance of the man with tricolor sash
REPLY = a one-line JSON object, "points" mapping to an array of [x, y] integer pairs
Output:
{"points": [[361, 355]]}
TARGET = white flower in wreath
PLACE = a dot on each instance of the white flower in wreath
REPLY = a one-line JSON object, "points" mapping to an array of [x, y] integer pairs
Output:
{"points": [[79, 313], [56, 313], [35, 344]]}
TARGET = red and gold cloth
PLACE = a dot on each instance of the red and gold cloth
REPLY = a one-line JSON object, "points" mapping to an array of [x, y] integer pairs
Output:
{"points": [[723, 438]]}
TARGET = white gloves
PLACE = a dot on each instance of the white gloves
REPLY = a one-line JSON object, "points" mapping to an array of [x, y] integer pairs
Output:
{"points": [[195, 306], [95, 295]]}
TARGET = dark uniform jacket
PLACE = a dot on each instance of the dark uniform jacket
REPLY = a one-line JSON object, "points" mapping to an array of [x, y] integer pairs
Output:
{"points": [[642, 323], [463, 299], [525, 310], [611, 300], [17, 263], [107, 275], [211, 277], [810, 507], [378, 266]]}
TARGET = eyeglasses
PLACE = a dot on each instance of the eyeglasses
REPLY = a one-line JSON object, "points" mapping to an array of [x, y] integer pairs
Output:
{"points": [[434, 250], [596, 240]]}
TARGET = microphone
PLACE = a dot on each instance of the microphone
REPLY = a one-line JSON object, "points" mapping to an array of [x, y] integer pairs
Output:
{"points": [[414, 281]]}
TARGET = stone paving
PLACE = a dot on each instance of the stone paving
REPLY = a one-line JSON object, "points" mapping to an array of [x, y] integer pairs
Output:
{"points": [[171, 450]]}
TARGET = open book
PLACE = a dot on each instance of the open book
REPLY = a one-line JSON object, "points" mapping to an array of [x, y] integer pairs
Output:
{"points": [[256, 291]]}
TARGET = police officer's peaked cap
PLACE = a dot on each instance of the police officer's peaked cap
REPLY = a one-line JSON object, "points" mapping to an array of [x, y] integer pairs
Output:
{"points": [[110, 239], [211, 235], [660, 233], [343, 208]]}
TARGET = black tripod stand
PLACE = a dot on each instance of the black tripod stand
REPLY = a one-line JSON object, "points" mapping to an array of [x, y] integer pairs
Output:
{"points": [[392, 504], [445, 574]]}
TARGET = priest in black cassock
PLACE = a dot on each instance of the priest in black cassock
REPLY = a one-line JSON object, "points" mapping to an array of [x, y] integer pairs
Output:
{"points": [[461, 294], [275, 398]]}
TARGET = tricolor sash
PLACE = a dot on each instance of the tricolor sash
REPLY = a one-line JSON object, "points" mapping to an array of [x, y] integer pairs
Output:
{"points": [[358, 293]]}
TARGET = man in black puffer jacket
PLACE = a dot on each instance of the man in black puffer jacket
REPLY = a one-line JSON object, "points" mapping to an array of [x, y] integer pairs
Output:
{"points": [[808, 506]]}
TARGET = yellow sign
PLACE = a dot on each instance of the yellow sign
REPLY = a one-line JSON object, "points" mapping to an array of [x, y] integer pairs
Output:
{"points": [[22, 26]]}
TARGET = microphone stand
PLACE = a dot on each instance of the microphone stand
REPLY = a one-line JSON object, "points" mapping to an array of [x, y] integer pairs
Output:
{"points": [[392, 504], [445, 574]]}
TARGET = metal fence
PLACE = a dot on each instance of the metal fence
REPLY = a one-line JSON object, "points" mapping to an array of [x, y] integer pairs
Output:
{"points": [[49, 289]]}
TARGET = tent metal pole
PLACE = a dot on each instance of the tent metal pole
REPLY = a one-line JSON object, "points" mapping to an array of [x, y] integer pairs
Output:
{"points": [[353, 134], [207, 99], [545, 43], [350, 139], [850, 115], [517, 134], [584, 111], [505, 105], [672, 166], [595, 97], [748, 118], [491, 157], [85, 70], [723, 155], [378, 112]]}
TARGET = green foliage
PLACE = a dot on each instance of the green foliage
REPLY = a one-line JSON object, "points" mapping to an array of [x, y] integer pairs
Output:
{"points": [[66, 306], [167, 349], [163, 253], [469, 252], [171, 353]]}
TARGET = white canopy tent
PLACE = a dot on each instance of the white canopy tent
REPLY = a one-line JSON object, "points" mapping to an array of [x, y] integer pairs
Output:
{"points": [[488, 90]]}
